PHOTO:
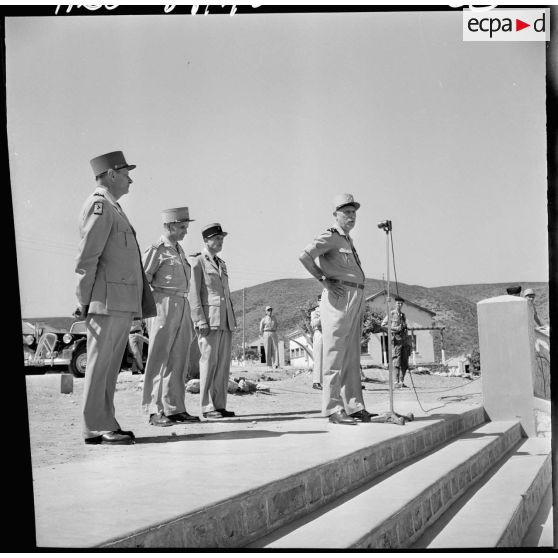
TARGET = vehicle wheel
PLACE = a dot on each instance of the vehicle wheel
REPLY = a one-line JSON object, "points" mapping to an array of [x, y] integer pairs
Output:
{"points": [[78, 361]]}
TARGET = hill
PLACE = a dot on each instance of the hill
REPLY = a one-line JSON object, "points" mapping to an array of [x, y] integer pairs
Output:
{"points": [[455, 307]]}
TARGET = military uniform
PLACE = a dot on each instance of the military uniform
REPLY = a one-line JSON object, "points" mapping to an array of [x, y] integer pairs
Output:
{"points": [[268, 329], [112, 288], [317, 346], [210, 302], [170, 332], [341, 318], [400, 342]]}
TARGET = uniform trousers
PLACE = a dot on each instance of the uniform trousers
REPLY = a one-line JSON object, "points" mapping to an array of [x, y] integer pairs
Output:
{"points": [[271, 348], [215, 361], [135, 344], [107, 337], [170, 337], [341, 318], [317, 357]]}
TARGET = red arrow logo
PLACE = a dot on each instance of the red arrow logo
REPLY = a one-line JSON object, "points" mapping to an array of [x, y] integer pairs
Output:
{"points": [[519, 25]]}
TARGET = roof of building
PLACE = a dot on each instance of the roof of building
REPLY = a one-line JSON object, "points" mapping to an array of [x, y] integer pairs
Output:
{"points": [[384, 292]]}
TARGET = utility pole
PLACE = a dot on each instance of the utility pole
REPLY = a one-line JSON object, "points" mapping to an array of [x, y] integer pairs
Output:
{"points": [[243, 326]]}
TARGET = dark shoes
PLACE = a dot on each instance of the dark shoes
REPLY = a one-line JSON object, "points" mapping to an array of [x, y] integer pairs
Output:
{"points": [[160, 419], [341, 417], [111, 438], [219, 413], [182, 418], [316, 386], [363, 416]]}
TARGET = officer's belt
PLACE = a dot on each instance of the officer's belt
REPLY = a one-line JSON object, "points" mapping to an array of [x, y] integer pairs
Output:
{"points": [[347, 283], [175, 293]]}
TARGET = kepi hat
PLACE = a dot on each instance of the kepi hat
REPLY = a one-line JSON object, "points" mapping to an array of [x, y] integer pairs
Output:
{"points": [[212, 230], [114, 160], [268, 308], [528, 292], [175, 215], [342, 200]]}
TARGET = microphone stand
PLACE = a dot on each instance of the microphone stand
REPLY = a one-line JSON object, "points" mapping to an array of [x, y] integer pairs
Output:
{"points": [[391, 416]]}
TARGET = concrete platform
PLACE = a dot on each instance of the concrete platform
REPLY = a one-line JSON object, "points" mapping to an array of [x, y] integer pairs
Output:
{"points": [[224, 488]]}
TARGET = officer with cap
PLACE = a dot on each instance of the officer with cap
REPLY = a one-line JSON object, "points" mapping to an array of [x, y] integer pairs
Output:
{"points": [[529, 294], [341, 313], [111, 290], [214, 321], [171, 331], [268, 330], [317, 346], [400, 341]]}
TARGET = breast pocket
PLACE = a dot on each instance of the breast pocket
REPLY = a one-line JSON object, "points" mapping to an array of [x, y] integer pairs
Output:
{"points": [[347, 257], [126, 239]]}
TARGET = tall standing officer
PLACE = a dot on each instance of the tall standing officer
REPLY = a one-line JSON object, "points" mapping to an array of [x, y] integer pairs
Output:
{"points": [[214, 321], [268, 331], [111, 291], [341, 312], [171, 331], [400, 341]]}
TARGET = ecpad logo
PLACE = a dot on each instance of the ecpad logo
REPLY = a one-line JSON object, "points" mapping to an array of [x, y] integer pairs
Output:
{"points": [[507, 25]]}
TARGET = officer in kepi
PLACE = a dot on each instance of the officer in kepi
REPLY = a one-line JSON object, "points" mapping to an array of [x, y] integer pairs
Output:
{"points": [[214, 321], [341, 313], [171, 331], [111, 291]]}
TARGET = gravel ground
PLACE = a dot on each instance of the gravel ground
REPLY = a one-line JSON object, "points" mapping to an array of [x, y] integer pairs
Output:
{"points": [[54, 418]]}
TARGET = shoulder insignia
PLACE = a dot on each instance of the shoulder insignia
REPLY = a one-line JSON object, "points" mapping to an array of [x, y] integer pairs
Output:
{"points": [[194, 255], [157, 244], [98, 208], [332, 230]]}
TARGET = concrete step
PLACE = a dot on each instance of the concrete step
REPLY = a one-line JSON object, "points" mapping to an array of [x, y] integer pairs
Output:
{"points": [[396, 509], [541, 530], [498, 511], [226, 488]]}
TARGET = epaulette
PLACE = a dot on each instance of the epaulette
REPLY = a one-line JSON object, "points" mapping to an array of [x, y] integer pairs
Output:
{"points": [[194, 255], [157, 244], [333, 230], [98, 194]]}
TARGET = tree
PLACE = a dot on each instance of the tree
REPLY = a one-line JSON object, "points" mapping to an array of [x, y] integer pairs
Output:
{"points": [[474, 359], [371, 323]]}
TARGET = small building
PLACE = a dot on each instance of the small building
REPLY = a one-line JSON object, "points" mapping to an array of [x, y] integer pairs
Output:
{"points": [[300, 350], [420, 327], [458, 365]]}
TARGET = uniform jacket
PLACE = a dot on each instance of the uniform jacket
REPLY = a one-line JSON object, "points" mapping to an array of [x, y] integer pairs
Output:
{"points": [[398, 325], [336, 255], [210, 297], [110, 277], [166, 267], [268, 323]]}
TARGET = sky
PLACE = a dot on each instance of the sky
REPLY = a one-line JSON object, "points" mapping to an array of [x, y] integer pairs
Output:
{"points": [[258, 121]]}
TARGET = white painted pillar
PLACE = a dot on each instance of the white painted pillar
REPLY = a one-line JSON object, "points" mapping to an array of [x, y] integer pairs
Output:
{"points": [[507, 354]]}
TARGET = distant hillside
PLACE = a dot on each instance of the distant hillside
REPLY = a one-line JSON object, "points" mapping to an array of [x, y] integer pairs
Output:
{"points": [[455, 307]]}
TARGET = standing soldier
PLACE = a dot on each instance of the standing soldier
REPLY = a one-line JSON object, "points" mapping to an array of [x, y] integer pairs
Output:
{"points": [[400, 341], [317, 346], [111, 291], [171, 331], [268, 330], [341, 312], [214, 321]]}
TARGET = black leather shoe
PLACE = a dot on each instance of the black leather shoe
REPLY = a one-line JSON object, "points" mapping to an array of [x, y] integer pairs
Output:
{"points": [[316, 386], [183, 417], [341, 417], [126, 433], [159, 419], [226, 413], [110, 438], [213, 414]]}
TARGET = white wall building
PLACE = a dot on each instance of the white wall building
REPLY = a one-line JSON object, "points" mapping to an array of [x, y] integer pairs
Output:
{"points": [[299, 357]]}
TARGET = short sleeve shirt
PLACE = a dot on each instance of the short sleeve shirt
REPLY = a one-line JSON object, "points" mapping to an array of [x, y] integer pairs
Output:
{"points": [[166, 267], [337, 257]]}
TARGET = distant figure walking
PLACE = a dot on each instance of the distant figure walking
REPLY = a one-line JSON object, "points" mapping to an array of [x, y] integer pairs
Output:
{"points": [[317, 346], [341, 313], [268, 330], [400, 342]]}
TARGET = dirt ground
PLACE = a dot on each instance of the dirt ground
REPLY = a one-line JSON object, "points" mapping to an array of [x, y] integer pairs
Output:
{"points": [[54, 418]]}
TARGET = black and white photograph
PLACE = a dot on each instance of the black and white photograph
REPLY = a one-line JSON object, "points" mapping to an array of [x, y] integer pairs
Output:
{"points": [[285, 275]]}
